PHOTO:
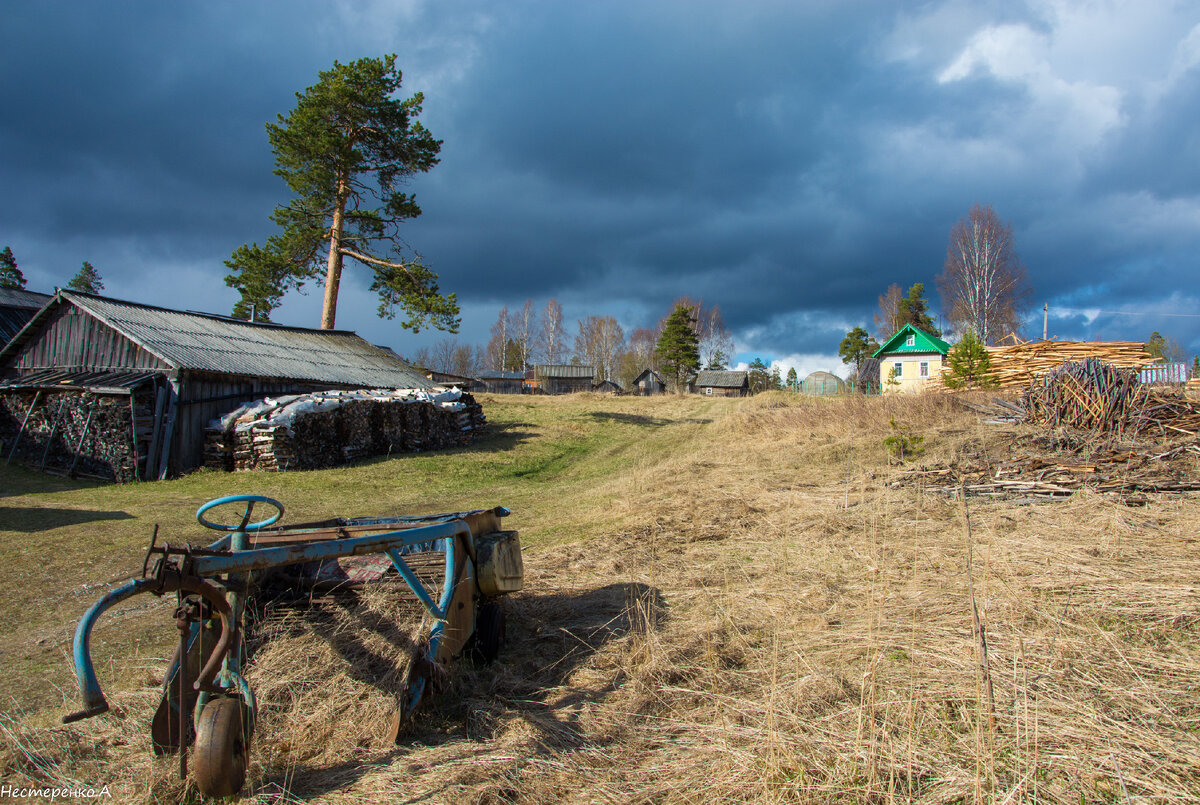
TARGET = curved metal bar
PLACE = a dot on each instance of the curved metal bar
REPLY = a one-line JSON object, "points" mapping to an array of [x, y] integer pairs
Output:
{"points": [[94, 702], [417, 689]]}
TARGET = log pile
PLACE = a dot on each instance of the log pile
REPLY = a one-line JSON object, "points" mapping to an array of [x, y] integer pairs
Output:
{"points": [[1018, 365], [329, 429], [72, 433]]}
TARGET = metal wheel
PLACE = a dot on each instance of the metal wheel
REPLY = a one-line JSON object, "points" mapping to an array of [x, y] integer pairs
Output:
{"points": [[489, 633], [221, 748]]}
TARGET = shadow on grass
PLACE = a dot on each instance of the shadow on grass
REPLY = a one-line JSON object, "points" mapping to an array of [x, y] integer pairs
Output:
{"points": [[28, 520], [640, 420], [550, 637]]}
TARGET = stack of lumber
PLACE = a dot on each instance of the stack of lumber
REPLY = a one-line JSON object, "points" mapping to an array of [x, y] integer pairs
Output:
{"points": [[1017, 365], [328, 429], [1088, 395]]}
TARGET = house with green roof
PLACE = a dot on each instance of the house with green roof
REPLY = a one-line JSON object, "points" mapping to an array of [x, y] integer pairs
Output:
{"points": [[911, 360]]}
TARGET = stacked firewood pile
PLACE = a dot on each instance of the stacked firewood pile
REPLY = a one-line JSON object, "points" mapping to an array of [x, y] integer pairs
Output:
{"points": [[71, 433], [328, 429], [1017, 365]]}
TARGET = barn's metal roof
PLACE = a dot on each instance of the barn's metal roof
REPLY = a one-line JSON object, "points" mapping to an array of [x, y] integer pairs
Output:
{"points": [[564, 371], [721, 379], [207, 343], [17, 307]]}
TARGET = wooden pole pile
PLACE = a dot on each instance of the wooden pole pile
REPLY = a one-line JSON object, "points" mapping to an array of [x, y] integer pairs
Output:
{"points": [[1087, 395], [1016, 366], [329, 429]]}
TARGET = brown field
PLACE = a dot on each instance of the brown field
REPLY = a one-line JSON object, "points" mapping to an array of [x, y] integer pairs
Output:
{"points": [[726, 601]]}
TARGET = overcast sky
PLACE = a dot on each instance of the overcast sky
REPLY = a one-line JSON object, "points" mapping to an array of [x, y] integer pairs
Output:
{"points": [[784, 160]]}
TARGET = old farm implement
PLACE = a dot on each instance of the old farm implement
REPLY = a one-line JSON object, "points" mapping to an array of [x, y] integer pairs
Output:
{"points": [[452, 570]]}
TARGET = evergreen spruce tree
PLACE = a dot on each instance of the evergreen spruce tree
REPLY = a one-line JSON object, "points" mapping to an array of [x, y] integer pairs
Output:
{"points": [[970, 366], [10, 275], [87, 280], [345, 151], [793, 380], [678, 349]]}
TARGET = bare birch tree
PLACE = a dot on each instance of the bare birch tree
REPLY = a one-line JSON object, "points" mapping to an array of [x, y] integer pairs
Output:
{"points": [[983, 285], [553, 335], [599, 342], [889, 318], [523, 325], [498, 345]]}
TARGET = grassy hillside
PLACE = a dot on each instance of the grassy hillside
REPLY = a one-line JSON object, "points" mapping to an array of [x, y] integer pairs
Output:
{"points": [[727, 600]]}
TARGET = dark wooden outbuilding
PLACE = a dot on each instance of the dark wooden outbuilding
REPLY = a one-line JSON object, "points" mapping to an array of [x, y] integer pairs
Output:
{"points": [[171, 372], [500, 382], [649, 382], [713, 383], [563, 379]]}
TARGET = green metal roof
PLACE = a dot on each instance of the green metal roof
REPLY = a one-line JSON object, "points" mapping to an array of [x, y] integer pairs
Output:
{"points": [[923, 342]]}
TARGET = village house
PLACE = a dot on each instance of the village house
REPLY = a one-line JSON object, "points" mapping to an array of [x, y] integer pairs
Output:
{"points": [[911, 360], [721, 383], [156, 377]]}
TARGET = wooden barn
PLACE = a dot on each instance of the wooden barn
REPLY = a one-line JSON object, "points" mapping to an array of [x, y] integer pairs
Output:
{"points": [[563, 379], [136, 385], [494, 382], [723, 383], [649, 382]]}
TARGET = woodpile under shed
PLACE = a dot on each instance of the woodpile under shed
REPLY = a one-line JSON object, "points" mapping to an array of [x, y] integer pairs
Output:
{"points": [[76, 433], [1016, 366], [329, 429]]}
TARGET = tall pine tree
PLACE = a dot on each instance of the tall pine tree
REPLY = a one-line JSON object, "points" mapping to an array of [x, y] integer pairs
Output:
{"points": [[345, 151], [10, 275], [87, 280]]}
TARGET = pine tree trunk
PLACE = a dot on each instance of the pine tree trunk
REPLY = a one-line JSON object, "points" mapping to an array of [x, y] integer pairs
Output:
{"points": [[333, 270]]}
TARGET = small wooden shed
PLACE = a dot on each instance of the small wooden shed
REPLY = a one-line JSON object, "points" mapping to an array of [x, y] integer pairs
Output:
{"points": [[170, 371], [649, 382]]}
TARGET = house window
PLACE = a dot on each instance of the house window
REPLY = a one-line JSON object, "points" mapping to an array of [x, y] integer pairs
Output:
{"points": [[911, 341], [924, 368], [708, 390], [898, 369]]}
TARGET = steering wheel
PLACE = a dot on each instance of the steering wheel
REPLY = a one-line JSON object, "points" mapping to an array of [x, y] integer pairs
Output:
{"points": [[245, 525]]}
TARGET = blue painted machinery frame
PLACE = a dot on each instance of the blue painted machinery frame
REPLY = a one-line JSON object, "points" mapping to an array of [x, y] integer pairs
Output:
{"points": [[212, 585]]}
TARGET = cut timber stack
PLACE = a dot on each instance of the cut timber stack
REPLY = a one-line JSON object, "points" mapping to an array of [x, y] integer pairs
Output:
{"points": [[328, 429], [1019, 365]]}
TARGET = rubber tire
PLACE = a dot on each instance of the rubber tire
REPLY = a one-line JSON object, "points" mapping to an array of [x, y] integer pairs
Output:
{"points": [[489, 633], [219, 759]]}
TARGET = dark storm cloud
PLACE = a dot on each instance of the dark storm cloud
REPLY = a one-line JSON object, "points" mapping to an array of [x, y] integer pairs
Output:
{"points": [[784, 161]]}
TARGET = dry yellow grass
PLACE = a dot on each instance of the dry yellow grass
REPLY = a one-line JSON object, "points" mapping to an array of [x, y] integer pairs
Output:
{"points": [[752, 614]]}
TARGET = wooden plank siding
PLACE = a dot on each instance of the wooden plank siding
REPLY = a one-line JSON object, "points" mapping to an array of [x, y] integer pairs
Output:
{"points": [[74, 340]]}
